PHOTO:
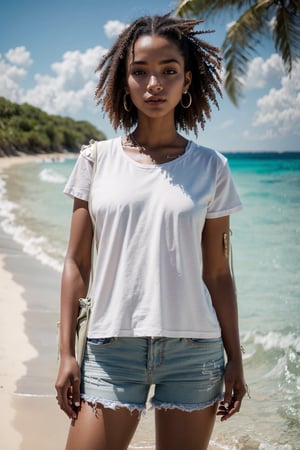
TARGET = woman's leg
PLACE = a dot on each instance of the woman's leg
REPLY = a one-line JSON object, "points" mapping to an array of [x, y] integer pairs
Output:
{"points": [[178, 430], [107, 430]]}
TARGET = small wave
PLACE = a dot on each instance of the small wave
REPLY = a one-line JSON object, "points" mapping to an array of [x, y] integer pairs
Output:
{"points": [[25, 394], [291, 413], [278, 355], [32, 245], [249, 442], [274, 340], [136, 446], [6, 207], [266, 446], [278, 369], [51, 176], [54, 159], [36, 246], [223, 446], [2, 189]]}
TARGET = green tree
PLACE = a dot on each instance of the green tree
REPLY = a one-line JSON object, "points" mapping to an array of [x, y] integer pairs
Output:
{"points": [[258, 19], [27, 129]]}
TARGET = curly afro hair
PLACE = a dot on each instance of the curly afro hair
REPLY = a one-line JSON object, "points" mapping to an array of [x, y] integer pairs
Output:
{"points": [[201, 58]]}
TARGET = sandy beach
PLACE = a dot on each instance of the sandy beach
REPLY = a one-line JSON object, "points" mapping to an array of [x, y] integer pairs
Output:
{"points": [[29, 299], [30, 418]]}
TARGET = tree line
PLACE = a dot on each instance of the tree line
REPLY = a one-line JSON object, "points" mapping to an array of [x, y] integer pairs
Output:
{"points": [[27, 129]]}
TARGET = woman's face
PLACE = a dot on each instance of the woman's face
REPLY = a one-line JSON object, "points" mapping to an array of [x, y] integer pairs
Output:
{"points": [[156, 78]]}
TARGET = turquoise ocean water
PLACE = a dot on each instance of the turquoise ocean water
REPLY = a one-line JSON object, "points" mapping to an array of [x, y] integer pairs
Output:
{"points": [[266, 246]]}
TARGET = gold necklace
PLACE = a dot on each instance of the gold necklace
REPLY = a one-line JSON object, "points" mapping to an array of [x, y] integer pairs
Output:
{"points": [[146, 151]]}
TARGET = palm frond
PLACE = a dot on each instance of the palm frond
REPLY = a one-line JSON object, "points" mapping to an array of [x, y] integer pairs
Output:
{"points": [[286, 34], [243, 37], [240, 43], [204, 8]]}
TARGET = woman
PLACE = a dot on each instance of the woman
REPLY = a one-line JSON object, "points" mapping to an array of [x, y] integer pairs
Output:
{"points": [[164, 306]]}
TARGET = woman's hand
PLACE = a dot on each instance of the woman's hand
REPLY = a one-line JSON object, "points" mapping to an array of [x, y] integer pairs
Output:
{"points": [[68, 386], [235, 389]]}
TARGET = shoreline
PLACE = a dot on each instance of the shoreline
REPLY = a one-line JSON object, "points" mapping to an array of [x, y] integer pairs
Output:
{"points": [[29, 297], [8, 161], [25, 374], [28, 351]]}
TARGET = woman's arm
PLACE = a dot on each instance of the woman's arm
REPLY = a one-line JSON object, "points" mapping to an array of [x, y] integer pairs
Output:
{"points": [[74, 285], [218, 279]]}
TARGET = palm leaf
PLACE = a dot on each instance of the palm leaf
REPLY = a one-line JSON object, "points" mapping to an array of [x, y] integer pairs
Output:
{"points": [[240, 43], [243, 37], [286, 33], [210, 8]]}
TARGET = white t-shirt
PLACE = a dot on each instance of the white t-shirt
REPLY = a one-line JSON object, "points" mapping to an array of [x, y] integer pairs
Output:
{"points": [[148, 228]]}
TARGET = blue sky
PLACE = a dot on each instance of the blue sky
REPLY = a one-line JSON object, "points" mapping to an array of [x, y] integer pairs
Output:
{"points": [[49, 50]]}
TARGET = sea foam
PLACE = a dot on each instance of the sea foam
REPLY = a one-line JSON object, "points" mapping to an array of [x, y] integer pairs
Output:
{"points": [[33, 245], [50, 176]]}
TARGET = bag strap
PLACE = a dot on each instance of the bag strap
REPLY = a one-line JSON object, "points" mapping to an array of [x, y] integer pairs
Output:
{"points": [[94, 155], [96, 147], [229, 255]]}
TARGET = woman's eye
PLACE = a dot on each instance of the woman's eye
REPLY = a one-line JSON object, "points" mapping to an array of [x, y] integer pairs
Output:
{"points": [[137, 73], [170, 71]]}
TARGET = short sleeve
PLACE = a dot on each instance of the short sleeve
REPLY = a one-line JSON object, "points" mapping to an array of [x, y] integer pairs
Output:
{"points": [[79, 182], [226, 199]]}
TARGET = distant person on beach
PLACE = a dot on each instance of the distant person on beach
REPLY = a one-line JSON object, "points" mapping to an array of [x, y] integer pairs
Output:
{"points": [[164, 308]]}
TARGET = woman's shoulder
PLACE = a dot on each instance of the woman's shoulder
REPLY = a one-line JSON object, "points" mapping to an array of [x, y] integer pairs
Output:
{"points": [[207, 154], [92, 150]]}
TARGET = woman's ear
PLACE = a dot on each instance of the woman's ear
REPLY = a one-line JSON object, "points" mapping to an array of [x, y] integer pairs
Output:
{"points": [[187, 80]]}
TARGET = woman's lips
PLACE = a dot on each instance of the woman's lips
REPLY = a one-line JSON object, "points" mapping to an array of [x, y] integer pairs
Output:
{"points": [[155, 100]]}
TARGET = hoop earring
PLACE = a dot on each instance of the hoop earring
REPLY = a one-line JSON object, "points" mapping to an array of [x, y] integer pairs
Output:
{"points": [[125, 103], [190, 100]]}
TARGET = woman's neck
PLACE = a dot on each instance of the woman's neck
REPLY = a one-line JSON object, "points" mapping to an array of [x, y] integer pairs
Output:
{"points": [[157, 135], [155, 143]]}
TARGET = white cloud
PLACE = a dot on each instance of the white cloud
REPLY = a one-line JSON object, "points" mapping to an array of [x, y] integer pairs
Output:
{"points": [[226, 124], [13, 71], [10, 72], [279, 110], [76, 68], [230, 24], [67, 91], [264, 136], [113, 28], [262, 73], [19, 56]]}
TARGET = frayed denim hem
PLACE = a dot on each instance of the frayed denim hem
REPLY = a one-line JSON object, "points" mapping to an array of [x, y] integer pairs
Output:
{"points": [[112, 404], [188, 407]]}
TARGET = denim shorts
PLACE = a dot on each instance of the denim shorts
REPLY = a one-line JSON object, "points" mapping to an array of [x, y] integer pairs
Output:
{"points": [[186, 373]]}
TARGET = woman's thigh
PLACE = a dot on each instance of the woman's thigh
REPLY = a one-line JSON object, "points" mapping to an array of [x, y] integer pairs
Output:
{"points": [[188, 430], [102, 428]]}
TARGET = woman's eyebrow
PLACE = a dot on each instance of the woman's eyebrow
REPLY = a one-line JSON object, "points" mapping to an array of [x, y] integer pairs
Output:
{"points": [[163, 62]]}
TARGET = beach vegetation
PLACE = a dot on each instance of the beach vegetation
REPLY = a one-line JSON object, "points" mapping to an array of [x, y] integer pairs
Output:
{"points": [[27, 129]]}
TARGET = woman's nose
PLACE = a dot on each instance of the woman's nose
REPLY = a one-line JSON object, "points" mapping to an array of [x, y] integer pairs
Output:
{"points": [[154, 84]]}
